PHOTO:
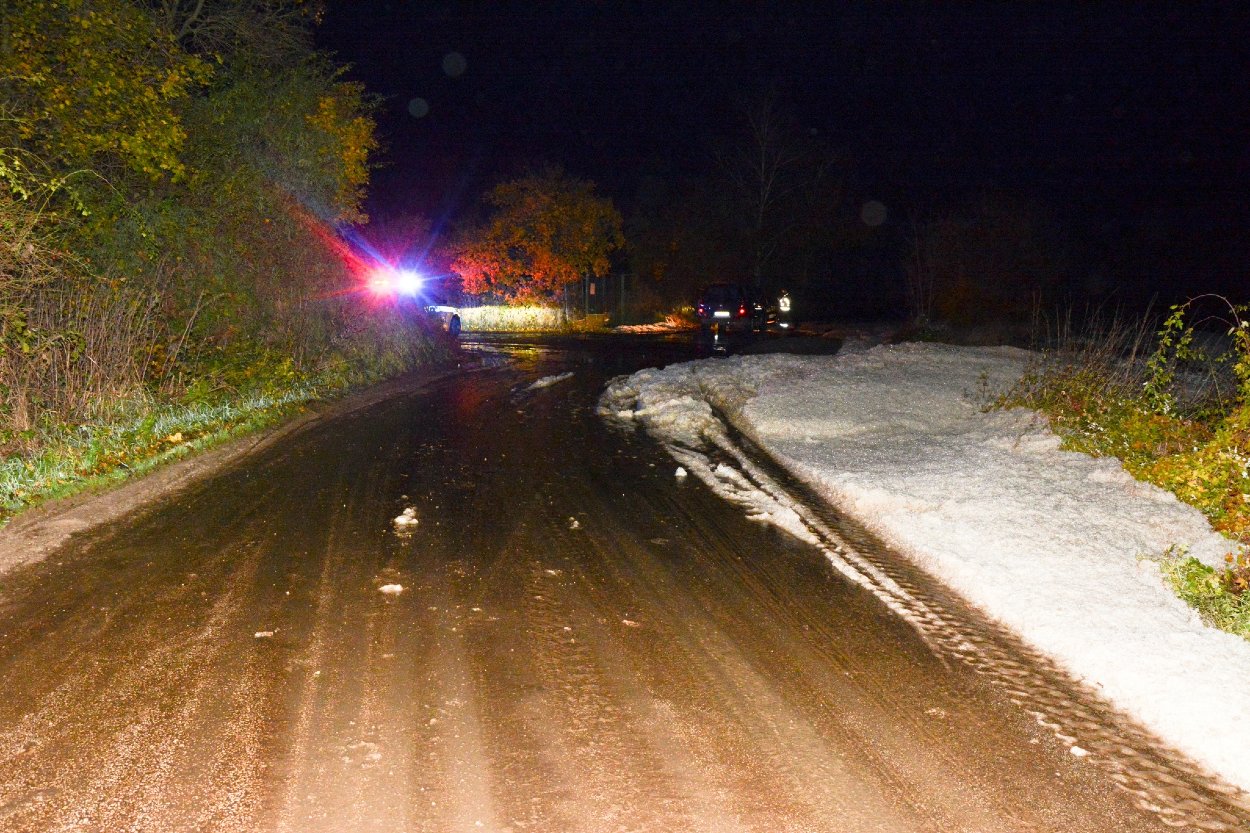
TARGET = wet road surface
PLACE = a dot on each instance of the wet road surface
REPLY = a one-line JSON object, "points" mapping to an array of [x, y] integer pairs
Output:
{"points": [[583, 642]]}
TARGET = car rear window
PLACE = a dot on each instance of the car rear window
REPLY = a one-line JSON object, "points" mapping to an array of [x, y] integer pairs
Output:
{"points": [[720, 294]]}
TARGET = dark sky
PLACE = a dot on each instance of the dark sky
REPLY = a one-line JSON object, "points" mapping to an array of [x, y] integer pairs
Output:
{"points": [[1115, 117]]}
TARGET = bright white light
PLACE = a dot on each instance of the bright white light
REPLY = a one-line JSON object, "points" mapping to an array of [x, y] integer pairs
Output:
{"points": [[407, 282]]}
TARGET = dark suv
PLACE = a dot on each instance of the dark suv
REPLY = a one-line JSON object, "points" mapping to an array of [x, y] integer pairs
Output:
{"points": [[729, 306]]}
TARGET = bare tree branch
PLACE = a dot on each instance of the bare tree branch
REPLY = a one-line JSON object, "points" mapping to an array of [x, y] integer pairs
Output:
{"points": [[769, 169], [264, 30]]}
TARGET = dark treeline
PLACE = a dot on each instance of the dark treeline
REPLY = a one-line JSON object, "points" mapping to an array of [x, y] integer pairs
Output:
{"points": [[783, 206]]}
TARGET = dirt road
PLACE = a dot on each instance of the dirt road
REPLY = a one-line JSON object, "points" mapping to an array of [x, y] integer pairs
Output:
{"points": [[569, 638]]}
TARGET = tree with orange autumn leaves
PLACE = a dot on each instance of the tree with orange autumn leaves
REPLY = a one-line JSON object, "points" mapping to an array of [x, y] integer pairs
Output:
{"points": [[545, 231]]}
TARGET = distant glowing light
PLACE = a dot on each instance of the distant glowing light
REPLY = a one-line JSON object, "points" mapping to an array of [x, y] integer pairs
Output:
{"points": [[454, 64], [418, 108], [388, 282]]}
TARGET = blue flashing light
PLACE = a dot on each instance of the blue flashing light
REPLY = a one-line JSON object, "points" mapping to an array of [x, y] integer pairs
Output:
{"points": [[408, 282]]}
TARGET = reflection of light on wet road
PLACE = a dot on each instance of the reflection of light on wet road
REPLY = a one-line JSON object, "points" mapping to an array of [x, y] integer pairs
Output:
{"points": [[505, 349]]}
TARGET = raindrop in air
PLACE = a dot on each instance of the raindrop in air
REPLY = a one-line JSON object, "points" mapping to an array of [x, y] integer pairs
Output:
{"points": [[454, 64], [873, 213], [418, 108]]}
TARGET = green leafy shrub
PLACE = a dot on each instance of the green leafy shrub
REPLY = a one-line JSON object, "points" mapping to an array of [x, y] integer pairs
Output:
{"points": [[1205, 589], [1175, 417]]}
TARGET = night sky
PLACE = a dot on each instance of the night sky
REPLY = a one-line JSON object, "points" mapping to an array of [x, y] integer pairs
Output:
{"points": [[1125, 122]]}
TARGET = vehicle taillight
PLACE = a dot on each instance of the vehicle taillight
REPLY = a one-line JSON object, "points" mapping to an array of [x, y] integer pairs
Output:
{"points": [[742, 311]]}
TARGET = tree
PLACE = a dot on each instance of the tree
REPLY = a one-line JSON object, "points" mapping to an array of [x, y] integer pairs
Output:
{"points": [[94, 85], [257, 31], [998, 259], [208, 151], [684, 237], [545, 231], [768, 214], [783, 187]]}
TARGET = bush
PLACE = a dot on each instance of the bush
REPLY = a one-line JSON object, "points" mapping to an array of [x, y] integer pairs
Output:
{"points": [[507, 319], [169, 261], [1177, 416], [1205, 589], [68, 340]]}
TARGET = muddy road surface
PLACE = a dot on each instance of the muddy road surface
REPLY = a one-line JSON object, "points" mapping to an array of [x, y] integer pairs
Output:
{"points": [[567, 637]]}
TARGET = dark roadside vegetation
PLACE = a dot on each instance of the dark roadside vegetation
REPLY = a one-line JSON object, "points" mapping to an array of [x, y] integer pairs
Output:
{"points": [[172, 176], [1173, 405]]}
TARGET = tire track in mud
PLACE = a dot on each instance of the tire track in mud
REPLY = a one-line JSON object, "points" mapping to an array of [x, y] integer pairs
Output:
{"points": [[299, 789], [151, 741], [461, 793], [380, 736], [346, 757], [1179, 792], [769, 710], [741, 755], [599, 754]]}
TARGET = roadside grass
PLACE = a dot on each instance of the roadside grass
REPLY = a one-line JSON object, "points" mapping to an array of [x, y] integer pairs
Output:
{"points": [[1174, 406], [236, 395], [134, 438]]}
